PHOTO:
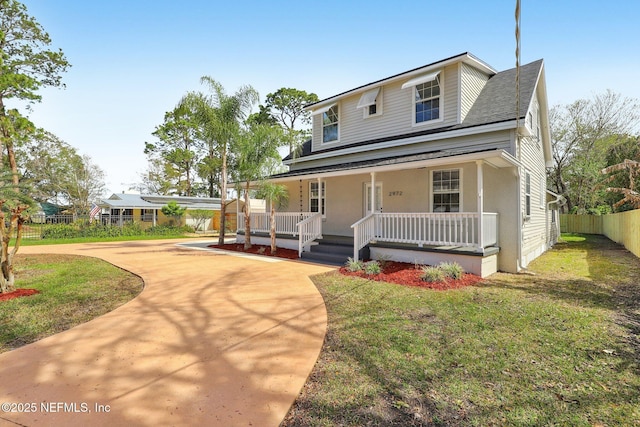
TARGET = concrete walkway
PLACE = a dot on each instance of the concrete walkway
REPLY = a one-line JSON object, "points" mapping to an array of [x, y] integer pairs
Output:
{"points": [[213, 339]]}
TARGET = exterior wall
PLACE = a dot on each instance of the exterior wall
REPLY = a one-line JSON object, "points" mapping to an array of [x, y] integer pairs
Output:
{"points": [[397, 116], [472, 82], [500, 195], [485, 141], [478, 265], [534, 228]]}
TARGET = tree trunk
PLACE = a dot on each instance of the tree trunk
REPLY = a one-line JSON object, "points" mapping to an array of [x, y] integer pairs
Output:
{"points": [[223, 198], [272, 230], [247, 219]]}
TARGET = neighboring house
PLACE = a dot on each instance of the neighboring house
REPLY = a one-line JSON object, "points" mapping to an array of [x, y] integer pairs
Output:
{"points": [[428, 165], [147, 209]]}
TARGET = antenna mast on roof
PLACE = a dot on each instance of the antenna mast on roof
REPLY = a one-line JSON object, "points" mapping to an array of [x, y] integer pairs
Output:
{"points": [[517, 66]]}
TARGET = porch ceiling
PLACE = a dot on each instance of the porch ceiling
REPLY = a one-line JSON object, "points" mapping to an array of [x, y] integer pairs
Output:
{"points": [[495, 158]]}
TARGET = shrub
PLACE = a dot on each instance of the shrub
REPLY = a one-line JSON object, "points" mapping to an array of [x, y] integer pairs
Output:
{"points": [[353, 265], [372, 267], [59, 231], [452, 270], [432, 274]]}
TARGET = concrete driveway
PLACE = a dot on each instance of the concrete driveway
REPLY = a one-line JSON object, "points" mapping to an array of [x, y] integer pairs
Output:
{"points": [[214, 339]]}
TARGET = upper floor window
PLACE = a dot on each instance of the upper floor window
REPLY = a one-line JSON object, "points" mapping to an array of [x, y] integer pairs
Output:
{"points": [[371, 102], [330, 121], [427, 101], [427, 97]]}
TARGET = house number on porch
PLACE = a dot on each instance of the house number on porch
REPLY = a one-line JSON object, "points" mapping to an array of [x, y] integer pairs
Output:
{"points": [[395, 193]]}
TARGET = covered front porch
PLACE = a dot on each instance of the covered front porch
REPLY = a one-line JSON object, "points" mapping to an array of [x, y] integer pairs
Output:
{"points": [[424, 238], [403, 210]]}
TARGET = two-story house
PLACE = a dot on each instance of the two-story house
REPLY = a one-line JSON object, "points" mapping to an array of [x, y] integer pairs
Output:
{"points": [[433, 164]]}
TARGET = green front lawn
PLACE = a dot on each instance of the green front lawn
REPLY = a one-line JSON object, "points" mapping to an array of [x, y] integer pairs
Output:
{"points": [[554, 348], [73, 290]]}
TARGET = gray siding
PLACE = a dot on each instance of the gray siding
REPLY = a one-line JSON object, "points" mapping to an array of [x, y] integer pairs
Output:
{"points": [[484, 141], [534, 230], [397, 116], [472, 82]]}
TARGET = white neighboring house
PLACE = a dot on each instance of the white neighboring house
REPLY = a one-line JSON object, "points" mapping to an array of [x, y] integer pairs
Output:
{"points": [[428, 165]]}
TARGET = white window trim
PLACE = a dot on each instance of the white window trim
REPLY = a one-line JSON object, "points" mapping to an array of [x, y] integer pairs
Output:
{"points": [[527, 195], [323, 191], [334, 141], [367, 194], [378, 103], [432, 193], [440, 79]]}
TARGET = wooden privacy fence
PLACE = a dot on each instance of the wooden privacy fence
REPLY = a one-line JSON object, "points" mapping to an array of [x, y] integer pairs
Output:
{"points": [[623, 227]]}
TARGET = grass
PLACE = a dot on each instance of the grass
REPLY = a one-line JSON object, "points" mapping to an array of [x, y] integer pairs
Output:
{"points": [[73, 290], [555, 348], [40, 242]]}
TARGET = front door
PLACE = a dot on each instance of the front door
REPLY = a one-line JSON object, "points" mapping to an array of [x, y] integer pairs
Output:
{"points": [[367, 198]]}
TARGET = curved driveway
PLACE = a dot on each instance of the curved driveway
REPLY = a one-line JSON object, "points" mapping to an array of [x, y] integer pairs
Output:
{"points": [[213, 339]]}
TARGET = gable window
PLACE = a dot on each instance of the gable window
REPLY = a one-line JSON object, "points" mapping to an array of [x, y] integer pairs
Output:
{"points": [[317, 200], [446, 185], [330, 124], [427, 101], [371, 102], [427, 97]]}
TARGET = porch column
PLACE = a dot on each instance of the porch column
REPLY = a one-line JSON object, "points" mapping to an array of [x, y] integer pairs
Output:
{"points": [[320, 197], [120, 218], [480, 205], [373, 192], [155, 214]]}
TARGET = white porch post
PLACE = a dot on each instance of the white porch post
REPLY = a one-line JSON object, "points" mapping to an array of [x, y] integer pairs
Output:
{"points": [[373, 192], [120, 218], [320, 197], [480, 206], [155, 214]]}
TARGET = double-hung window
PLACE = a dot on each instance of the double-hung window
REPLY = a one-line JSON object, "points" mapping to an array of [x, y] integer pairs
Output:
{"points": [[427, 97], [446, 188], [317, 197], [527, 194], [427, 102], [330, 123]]}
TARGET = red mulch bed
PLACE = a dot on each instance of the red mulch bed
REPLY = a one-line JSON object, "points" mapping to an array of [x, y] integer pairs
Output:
{"points": [[400, 273], [406, 274], [18, 293], [258, 249]]}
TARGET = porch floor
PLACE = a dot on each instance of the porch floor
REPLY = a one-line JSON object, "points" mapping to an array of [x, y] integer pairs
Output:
{"points": [[330, 239]]}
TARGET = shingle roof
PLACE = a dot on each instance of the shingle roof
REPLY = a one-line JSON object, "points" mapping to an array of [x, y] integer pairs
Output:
{"points": [[495, 104], [380, 162]]}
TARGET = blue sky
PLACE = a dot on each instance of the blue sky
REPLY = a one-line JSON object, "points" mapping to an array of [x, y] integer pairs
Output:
{"points": [[132, 60]]}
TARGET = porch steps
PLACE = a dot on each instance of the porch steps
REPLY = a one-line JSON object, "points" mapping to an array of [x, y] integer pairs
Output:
{"points": [[329, 253]]}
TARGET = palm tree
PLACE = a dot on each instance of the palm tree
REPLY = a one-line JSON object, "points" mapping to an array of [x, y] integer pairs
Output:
{"points": [[276, 195], [220, 116], [256, 156]]}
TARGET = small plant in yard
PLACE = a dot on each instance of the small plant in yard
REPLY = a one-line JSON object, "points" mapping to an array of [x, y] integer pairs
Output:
{"points": [[384, 260], [372, 267], [452, 270], [353, 265], [432, 274]]}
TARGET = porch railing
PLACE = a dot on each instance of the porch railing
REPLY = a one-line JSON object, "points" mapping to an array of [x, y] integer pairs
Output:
{"points": [[309, 230], [286, 222], [363, 232], [441, 229]]}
